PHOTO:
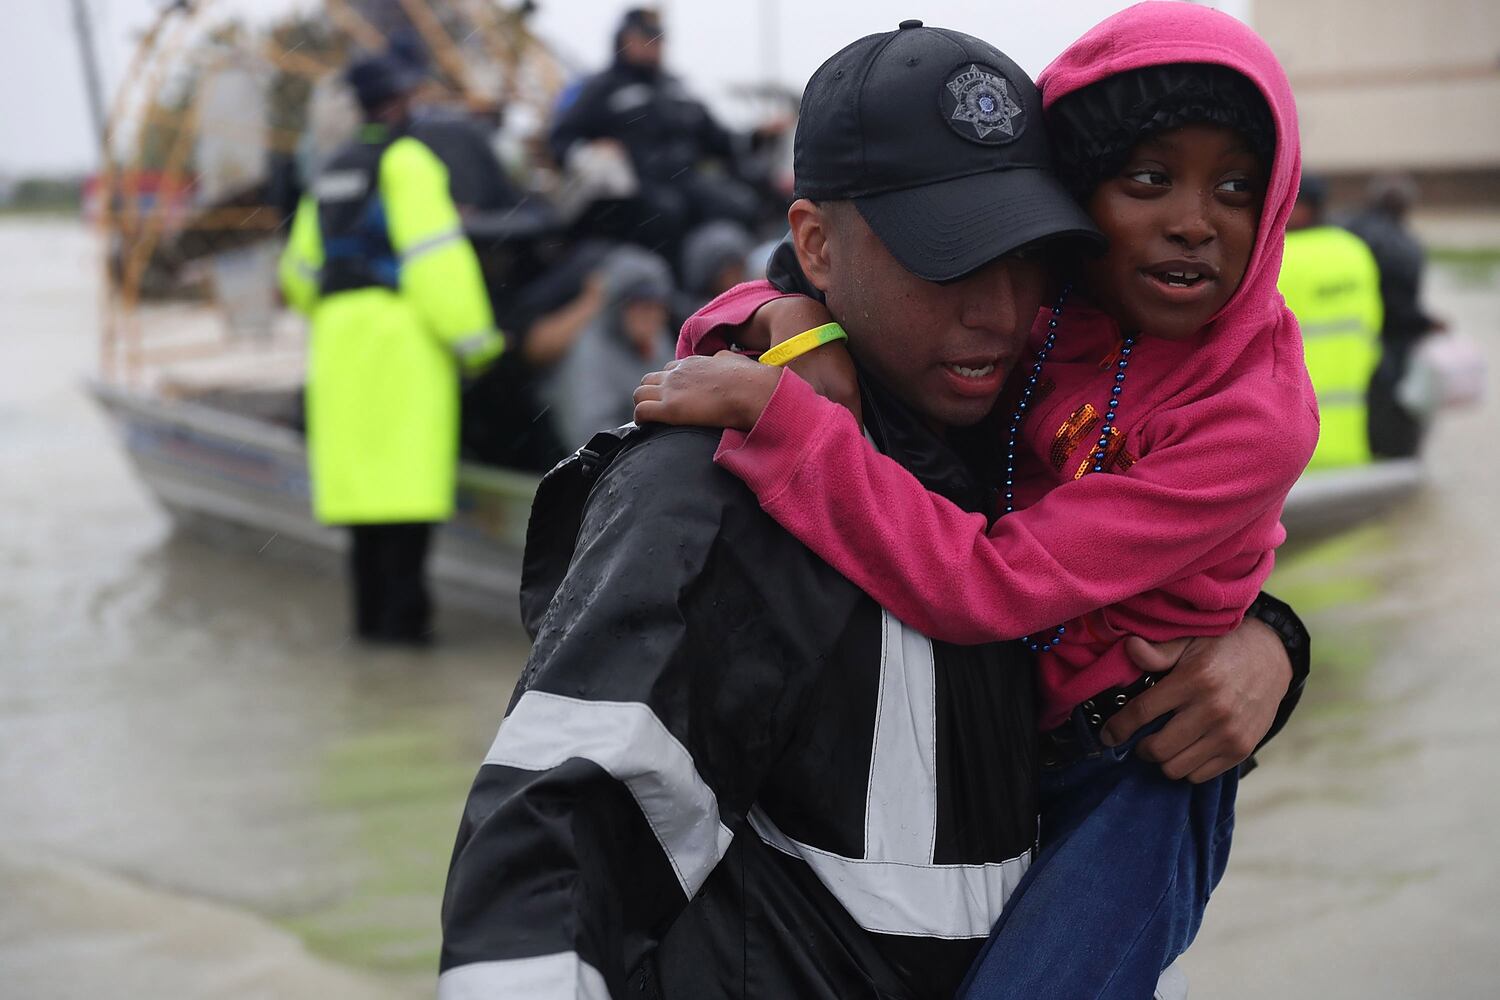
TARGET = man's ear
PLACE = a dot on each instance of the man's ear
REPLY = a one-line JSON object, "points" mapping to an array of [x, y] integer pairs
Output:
{"points": [[810, 226]]}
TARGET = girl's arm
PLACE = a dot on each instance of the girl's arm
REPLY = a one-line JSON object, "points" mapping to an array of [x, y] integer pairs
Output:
{"points": [[727, 320], [753, 317], [1087, 545]]}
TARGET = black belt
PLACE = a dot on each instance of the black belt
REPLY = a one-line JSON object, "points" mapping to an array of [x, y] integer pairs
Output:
{"points": [[1078, 737]]}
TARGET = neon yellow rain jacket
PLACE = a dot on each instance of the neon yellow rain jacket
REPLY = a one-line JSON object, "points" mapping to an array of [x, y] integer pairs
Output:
{"points": [[1331, 283], [384, 359]]}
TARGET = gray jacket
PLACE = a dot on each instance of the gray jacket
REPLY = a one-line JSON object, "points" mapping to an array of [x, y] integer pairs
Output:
{"points": [[591, 388]]}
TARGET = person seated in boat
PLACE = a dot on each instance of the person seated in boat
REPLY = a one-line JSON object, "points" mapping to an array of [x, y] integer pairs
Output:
{"points": [[728, 772], [579, 339], [512, 412], [640, 111], [506, 421], [1331, 283], [460, 135], [589, 388], [1148, 450], [398, 312]]}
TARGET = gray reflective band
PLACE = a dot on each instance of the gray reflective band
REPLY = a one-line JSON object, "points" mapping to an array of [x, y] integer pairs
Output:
{"points": [[626, 739], [306, 270], [901, 803], [949, 901], [475, 343], [1328, 329], [430, 244], [563, 976], [341, 185], [1348, 397]]}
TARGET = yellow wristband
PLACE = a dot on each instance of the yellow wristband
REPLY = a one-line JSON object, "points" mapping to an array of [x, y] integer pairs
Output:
{"points": [[809, 340]]}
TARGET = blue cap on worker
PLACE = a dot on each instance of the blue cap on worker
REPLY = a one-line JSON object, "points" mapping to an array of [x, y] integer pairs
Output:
{"points": [[646, 20], [379, 79]]}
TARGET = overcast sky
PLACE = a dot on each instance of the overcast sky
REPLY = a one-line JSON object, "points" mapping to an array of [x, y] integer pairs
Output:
{"points": [[713, 44]]}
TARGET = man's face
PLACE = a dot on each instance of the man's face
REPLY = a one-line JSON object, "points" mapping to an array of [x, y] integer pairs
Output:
{"points": [[944, 349], [641, 47], [394, 111]]}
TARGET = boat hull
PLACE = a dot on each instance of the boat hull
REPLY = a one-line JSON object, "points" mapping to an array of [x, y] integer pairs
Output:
{"points": [[1325, 504], [215, 469]]}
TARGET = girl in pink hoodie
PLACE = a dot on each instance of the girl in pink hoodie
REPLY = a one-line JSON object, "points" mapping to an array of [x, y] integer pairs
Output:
{"points": [[1151, 442]]}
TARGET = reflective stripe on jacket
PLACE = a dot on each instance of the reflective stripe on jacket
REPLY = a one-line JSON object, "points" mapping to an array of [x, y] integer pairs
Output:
{"points": [[1332, 285]]}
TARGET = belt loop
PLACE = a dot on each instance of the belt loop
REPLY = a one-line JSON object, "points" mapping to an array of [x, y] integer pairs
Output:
{"points": [[1084, 732]]}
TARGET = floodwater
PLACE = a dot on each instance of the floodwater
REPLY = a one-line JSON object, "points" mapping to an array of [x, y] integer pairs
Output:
{"points": [[207, 791]]}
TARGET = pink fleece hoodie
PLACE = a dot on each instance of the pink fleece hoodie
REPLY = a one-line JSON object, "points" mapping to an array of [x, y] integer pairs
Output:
{"points": [[1174, 539]]}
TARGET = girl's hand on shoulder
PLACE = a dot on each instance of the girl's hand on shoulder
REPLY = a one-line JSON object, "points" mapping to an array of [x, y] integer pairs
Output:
{"points": [[726, 390]]}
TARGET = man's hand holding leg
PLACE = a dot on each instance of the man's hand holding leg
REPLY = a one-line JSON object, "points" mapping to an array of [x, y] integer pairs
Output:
{"points": [[1224, 692]]}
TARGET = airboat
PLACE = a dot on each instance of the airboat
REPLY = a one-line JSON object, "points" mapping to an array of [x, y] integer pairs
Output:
{"points": [[200, 370]]}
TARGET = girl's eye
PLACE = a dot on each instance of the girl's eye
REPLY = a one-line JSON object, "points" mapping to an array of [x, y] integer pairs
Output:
{"points": [[1155, 178], [1235, 185]]}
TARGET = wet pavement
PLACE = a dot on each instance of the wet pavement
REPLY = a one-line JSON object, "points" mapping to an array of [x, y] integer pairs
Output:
{"points": [[188, 739], [207, 791], [1364, 862]]}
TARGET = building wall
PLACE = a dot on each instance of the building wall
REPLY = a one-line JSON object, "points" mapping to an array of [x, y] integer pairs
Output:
{"points": [[1393, 85]]}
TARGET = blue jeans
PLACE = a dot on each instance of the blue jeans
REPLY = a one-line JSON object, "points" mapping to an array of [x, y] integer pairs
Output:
{"points": [[1117, 891]]}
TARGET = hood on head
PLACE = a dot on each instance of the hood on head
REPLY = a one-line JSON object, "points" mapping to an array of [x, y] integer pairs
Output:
{"points": [[1162, 32], [707, 249], [631, 273]]}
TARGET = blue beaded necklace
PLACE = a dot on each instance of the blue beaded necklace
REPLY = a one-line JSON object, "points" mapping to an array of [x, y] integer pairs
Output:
{"points": [[1101, 446]]}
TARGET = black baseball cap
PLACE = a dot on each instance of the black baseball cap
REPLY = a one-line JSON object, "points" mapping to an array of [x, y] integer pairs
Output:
{"points": [[938, 139]]}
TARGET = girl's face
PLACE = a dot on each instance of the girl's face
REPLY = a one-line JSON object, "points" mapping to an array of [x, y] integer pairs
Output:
{"points": [[1181, 219]]}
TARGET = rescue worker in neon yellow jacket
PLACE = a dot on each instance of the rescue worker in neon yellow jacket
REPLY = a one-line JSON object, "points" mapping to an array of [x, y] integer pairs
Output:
{"points": [[378, 262], [1332, 285]]}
